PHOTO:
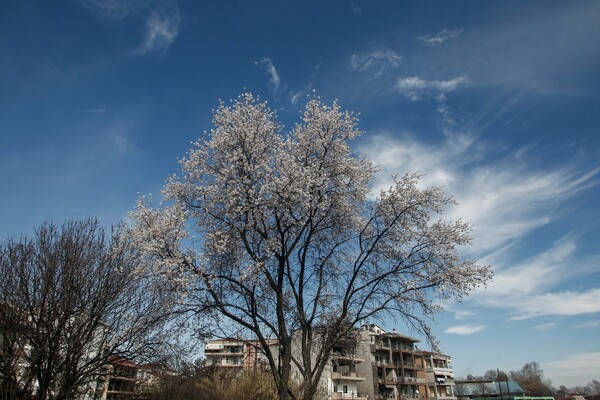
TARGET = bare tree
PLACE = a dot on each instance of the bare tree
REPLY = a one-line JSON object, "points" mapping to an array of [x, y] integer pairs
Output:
{"points": [[291, 245], [531, 378], [71, 299]]}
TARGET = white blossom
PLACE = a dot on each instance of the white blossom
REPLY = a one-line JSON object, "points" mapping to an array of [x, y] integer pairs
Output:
{"points": [[289, 240]]}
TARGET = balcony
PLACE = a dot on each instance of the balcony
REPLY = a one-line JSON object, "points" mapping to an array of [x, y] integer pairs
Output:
{"points": [[382, 346], [346, 376], [402, 347], [346, 358], [411, 380], [352, 395]]}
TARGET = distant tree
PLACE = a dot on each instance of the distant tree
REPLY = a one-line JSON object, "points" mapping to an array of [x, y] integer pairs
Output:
{"points": [[495, 375], [562, 392], [593, 387], [71, 299], [531, 378], [291, 246]]}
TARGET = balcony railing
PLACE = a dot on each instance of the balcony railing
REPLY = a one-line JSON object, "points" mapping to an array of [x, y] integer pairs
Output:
{"points": [[410, 379], [351, 395], [402, 347], [346, 357], [349, 376]]}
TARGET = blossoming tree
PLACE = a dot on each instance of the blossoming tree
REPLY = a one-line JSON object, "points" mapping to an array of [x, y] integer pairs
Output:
{"points": [[289, 244]]}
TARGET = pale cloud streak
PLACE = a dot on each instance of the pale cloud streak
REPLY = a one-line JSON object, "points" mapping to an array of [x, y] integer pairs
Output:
{"points": [[504, 200], [377, 60], [545, 327], [162, 28], [271, 72], [575, 369], [415, 88], [586, 325], [115, 10], [465, 329], [440, 37]]}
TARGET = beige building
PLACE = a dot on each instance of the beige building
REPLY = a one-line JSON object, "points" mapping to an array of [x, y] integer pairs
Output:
{"points": [[395, 367], [342, 376], [234, 353], [440, 376], [384, 365]]}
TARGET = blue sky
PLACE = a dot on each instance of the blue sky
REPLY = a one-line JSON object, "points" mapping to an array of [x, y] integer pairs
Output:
{"points": [[496, 101]]}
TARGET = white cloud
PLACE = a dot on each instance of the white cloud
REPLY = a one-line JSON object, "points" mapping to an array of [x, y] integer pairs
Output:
{"points": [[503, 200], [161, 30], [356, 10], [415, 88], [567, 303], [575, 369], [295, 97], [115, 10], [586, 325], [378, 59], [463, 314], [528, 288], [271, 71], [440, 37], [545, 327], [465, 329]]}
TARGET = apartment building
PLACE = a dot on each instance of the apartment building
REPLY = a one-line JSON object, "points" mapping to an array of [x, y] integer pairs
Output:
{"points": [[384, 365], [125, 379], [234, 353], [342, 377], [339, 379], [397, 367], [440, 376]]}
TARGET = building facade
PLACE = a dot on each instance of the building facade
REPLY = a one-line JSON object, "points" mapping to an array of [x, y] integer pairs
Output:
{"points": [[384, 365], [395, 367], [235, 353], [440, 376]]}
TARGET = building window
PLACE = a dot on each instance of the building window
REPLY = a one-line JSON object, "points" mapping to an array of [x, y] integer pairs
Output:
{"points": [[345, 388]]}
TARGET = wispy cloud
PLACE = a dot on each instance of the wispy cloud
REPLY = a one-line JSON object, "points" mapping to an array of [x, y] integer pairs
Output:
{"points": [[503, 199], [271, 71], [439, 38], [161, 20], [116, 10], [586, 325], [567, 303], [415, 88], [576, 369], [377, 60], [465, 329], [356, 10], [545, 327], [531, 288], [162, 27], [463, 314]]}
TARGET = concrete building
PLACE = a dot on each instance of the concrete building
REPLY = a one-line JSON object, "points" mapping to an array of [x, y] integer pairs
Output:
{"points": [[234, 353], [384, 365], [440, 376], [342, 378], [395, 368]]}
